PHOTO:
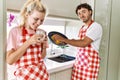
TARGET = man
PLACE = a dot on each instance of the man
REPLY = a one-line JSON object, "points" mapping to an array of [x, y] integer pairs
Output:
{"points": [[86, 66]]}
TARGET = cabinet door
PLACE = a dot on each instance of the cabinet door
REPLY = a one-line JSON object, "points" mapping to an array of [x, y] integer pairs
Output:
{"points": [[53, 76], [64, 75]]}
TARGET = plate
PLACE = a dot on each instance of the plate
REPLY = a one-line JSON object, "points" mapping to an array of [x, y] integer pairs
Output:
{"points": [[56, 42]]}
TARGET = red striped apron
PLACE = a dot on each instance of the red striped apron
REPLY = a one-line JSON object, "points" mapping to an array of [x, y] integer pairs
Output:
{"points": [[30, 66], [86, 66]]}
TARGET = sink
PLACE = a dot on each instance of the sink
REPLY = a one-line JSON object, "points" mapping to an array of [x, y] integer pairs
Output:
{"points": [[62, 58]]}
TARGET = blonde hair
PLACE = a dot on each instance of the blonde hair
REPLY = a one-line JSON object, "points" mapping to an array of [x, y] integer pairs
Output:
{"points": [[29, 7]]}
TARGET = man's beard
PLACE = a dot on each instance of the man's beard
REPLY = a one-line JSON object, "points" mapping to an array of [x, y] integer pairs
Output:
{"points": [[86, 20]]}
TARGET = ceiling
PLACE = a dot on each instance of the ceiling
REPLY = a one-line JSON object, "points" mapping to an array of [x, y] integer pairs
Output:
{"points": [[55, 8]]}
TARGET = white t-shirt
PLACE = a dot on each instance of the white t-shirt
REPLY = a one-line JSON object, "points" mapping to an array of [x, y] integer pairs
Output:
{"points": [[95, 33]]}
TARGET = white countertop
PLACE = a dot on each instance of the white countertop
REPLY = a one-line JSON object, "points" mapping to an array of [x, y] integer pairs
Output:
{"points": [[53, 66]]}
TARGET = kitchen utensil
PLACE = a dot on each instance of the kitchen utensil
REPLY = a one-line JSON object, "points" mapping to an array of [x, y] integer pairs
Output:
{"points": [[56, 42]]}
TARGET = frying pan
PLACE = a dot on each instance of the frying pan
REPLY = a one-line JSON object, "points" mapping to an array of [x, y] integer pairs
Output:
{"points": [[50, 35]]}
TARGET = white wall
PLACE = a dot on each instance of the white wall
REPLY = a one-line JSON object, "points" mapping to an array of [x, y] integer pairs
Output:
{"points": [[114, 49], [2, 39], [102, 16], [107, 13], [72, 29], [119, 70]]}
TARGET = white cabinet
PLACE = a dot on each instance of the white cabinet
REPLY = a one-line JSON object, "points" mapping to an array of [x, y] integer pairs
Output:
{"points": [[61, 75], [53, 76]]}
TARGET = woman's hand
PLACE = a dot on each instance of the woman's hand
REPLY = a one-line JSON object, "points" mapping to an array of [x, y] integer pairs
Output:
{"points": [[44, 42], [44, 45], [35, 39]]}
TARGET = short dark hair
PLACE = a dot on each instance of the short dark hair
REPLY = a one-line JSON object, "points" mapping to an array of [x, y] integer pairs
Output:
{"points": [[83, 5]]}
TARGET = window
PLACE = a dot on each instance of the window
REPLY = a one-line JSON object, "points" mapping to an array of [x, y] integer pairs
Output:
{"points": [[49, 28]]}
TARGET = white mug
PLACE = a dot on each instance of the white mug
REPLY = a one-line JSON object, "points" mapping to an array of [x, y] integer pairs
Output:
{"points": [[41, 32]]}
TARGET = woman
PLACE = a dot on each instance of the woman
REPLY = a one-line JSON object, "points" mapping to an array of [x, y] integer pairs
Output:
{"points": [[26, 49]]}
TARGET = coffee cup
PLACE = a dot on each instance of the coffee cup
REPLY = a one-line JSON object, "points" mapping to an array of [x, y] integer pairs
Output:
{"points": [[41, 32]]}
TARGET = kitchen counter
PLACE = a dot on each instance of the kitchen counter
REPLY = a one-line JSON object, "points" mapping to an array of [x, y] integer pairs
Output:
{"points": [[59, 69], [53, 66]]}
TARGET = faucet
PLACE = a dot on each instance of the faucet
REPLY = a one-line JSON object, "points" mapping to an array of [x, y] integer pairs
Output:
{"points": [[52, 52]]}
